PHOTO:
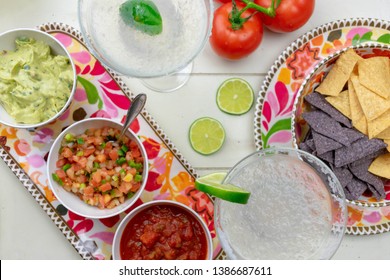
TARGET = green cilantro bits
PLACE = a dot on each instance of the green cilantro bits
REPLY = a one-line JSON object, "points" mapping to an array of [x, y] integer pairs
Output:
{"points": [[138, 178], [66, 166]]}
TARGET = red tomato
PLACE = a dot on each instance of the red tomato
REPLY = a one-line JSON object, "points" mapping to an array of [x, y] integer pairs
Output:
{"points": [[290, 15], [235, 44], [226, 1]]}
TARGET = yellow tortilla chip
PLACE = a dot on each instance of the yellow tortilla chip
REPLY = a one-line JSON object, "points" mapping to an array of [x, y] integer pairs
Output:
{"points": [[381, 166], [341, 103], [387, 141], [385, 134], [361, 125], [333, 83], [356, 109], [348, 61], [372, 104], [338, 76], [378, 125], [355, 70], [374, 74]]}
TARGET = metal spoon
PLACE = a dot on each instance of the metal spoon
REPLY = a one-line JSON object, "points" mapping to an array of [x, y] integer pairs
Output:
{"points": [[135, 108]]}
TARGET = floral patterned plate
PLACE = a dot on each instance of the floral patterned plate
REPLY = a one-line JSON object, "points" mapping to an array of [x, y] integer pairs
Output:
{"points": [[100, 93], [275, 102]]}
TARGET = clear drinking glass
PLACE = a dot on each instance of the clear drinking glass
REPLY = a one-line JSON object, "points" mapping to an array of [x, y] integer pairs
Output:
{"points": [[296, 210], [163, 61]]}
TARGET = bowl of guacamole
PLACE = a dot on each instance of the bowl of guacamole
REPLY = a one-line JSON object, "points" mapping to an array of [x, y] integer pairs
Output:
{"points": [[37, 78]]}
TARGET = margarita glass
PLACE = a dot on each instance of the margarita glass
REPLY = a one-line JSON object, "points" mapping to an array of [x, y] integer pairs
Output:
{"points": [[163, 61], [296, 209]]}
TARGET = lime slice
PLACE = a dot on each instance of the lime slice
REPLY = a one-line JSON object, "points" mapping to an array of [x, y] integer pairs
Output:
{"points": [[206, 135], [235, 96], [211, 184]]}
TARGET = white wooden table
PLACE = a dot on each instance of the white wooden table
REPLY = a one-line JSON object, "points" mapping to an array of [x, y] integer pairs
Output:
{"points": [[26, 232]]}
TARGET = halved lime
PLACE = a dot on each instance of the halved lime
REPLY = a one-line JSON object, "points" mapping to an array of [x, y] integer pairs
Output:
{"points": [[206, 135], [212, 184], [235, 96]]}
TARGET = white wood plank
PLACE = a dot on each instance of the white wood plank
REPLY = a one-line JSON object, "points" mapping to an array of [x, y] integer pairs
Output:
{"points": [[177, 110]]}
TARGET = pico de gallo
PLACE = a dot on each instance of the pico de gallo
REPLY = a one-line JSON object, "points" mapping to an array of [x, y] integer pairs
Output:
{"points": [[163, 232], [101, 172]]}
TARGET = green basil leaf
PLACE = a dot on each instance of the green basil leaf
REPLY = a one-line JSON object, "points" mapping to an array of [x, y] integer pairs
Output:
{"points": [[142, 15]]}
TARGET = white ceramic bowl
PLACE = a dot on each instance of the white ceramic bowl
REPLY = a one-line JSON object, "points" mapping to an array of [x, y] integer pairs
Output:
{"points": [[7, 42], [133, 213], [70, 200]]}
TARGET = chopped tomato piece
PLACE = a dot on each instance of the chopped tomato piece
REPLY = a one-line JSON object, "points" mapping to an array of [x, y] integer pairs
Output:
{"points": [[88, 190], [113, 154], [67, 153], [61, 173], [61, 162], [105, 187], [149, 238], [89, 151], [97, 176]]}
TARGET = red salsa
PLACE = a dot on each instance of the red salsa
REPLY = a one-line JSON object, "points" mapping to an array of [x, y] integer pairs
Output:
{"points": [[163, 232]]}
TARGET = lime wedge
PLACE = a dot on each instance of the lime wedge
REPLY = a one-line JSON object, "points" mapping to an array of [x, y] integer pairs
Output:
{"points": [[212, 185], [235, 96], [206, 135]]}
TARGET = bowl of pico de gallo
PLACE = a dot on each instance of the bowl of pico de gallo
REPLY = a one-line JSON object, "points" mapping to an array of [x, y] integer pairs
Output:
{"points": [[92, 172]]}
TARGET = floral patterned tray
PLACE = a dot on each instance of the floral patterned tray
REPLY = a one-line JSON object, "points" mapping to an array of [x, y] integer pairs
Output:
{"points": [[100, 93], [274, 105]]}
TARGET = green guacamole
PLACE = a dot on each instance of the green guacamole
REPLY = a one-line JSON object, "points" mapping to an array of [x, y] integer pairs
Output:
{"points": [[34, 85]]}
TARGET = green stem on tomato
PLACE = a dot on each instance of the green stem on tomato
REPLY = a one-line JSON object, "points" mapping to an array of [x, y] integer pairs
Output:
{"points": [[270, 11], [235, 18], [235, 15]]}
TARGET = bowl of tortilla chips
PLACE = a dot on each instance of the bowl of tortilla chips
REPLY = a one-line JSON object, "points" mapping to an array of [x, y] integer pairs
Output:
{"points": [[342, 115]]}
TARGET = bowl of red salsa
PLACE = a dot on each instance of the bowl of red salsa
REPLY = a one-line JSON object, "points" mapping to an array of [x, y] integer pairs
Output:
{"points": [[162, 230], [92, 172]]}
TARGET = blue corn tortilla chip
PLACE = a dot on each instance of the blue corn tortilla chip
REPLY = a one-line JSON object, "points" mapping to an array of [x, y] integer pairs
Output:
{"points": [[348, 194], [355, 189], [343, 174], [308, 136], [357, 150], [368, 158], [327, 157], [325, 125], [318, 100], [353, 135], [375, 184], [379, 194], [304, 147], [324, 144], [310, 143], [309, 147]]}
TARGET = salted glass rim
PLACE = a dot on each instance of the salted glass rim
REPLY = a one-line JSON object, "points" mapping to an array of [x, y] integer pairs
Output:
{"points": [[229, 250], [130, 72]]}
